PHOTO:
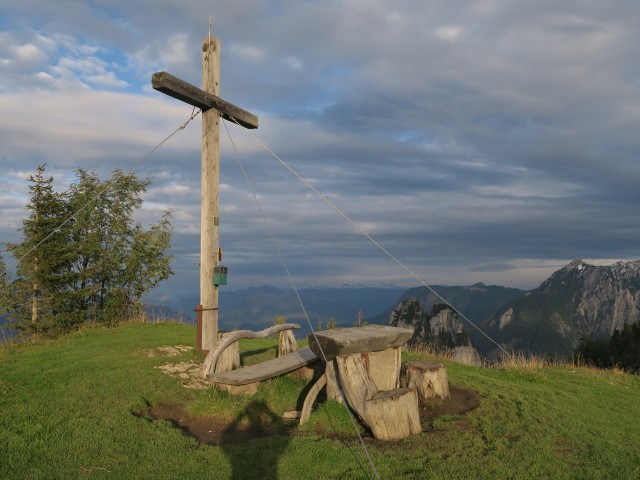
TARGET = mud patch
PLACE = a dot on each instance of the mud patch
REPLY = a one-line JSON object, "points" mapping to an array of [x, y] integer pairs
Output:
{"points": [[213, 431], [258, 421], [460, 402]]}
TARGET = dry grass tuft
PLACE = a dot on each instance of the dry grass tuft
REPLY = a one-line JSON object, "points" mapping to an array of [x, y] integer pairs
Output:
{"points": [[526, 361], [431, 350], [162, 317]]}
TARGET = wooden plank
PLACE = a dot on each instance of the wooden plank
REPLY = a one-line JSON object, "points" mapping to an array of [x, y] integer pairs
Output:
{"points": [[177, 88], [265, 370], [369, 338]]}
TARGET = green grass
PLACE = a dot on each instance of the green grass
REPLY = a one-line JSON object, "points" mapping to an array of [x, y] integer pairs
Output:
{"points": [[66, 411]]}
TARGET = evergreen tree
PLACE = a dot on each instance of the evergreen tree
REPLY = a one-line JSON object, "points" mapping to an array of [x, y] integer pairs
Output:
{"points": [[147, 263], [41, 257], [622, 350], [5, 286], [96, 262], [593, 352], [625, 347]]}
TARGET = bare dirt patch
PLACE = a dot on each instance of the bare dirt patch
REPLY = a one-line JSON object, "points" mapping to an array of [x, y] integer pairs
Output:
{"points": [[215, 431], [460, 402], [164, 351], [262, 422], [189, 372]]}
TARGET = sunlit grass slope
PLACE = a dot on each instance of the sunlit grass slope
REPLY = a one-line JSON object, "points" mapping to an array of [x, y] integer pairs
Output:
{"points": [[66, 411]]}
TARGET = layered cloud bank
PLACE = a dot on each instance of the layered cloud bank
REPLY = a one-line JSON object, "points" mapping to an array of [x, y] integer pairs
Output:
{"points": [[483, 141]]}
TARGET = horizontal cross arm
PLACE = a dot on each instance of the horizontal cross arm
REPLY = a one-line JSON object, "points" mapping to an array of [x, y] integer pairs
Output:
{"points": [[176, 88]]}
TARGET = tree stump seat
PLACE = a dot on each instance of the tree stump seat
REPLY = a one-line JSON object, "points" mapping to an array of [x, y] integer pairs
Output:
{"points": [[428, 377]]}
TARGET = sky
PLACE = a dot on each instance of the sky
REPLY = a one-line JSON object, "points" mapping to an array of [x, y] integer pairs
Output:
{"points": [[477, 141]]}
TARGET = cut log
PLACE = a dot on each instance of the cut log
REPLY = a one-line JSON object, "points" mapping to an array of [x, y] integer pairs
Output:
{"points": [[355, 381], [227, 339], [384, 368], [427, 377], [286, 342], [390, 414], [248, 389], [393, 414], [346, 341]]}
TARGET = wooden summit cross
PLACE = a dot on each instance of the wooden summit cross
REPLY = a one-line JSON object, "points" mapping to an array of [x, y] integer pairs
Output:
{"points": [[212, 108]]}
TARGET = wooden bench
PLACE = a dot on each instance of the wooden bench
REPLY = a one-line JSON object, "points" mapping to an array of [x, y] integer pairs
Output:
{"points": [[265, 370], [222, 364]]}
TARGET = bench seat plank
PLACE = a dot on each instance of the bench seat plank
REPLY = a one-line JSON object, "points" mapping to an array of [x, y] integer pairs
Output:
{"points": [[265, 370]]}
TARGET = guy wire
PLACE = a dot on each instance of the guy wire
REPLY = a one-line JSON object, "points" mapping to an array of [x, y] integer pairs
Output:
{"points": [[295, 289], [106, 188], [371, 239]]}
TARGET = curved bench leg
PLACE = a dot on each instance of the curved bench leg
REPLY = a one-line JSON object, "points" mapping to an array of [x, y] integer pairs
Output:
{"points": [[311, 397]]}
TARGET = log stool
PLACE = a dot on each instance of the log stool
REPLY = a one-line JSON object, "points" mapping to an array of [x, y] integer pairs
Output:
{"points": [[427, 377]]}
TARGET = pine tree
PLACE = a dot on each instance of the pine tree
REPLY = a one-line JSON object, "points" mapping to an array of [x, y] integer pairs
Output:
{"points": [[5, 285], [625, 347], [82, 257], [41, 257]]}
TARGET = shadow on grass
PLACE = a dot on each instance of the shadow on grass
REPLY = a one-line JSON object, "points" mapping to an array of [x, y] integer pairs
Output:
{"points": [[245, 356], [247, 460]]}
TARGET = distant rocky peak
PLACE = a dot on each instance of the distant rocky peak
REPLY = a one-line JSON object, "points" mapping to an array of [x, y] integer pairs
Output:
{"points": [[578, 299], [618, 269], [440, 330], [626, 269], [577, 264], [408, 314], [443, 318]]}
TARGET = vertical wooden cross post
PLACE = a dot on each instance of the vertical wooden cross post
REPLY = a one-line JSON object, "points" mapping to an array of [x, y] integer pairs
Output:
{"points": [[212, 108]]}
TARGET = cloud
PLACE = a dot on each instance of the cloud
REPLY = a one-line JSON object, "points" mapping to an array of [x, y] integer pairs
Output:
{"points": [[31, 60], [468, 139], [251, 53], [449, 33]]}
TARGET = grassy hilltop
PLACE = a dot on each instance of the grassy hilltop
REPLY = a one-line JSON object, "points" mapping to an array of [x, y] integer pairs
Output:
{"points": [[81, 407]]}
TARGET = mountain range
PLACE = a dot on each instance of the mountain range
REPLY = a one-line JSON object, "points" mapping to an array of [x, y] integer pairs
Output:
{"points": [[255, 308], [578, 299]]}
